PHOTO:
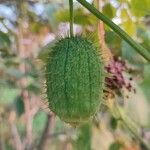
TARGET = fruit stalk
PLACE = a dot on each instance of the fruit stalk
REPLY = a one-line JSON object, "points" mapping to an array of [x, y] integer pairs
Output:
{"points": [[71, 17], [141, 50]]}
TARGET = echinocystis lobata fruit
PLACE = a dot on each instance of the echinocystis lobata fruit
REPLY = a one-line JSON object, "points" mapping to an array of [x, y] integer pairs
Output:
{"points": [[74, 78]]}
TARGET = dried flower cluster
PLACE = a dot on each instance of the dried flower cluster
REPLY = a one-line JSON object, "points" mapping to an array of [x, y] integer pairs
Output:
{"points": [[117, 81]]}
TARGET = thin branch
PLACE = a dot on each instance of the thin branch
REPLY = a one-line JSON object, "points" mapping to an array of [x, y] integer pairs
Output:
{"points": [[106, 52], [23, 82], [14, 132], [45, 138], [16, 138]]}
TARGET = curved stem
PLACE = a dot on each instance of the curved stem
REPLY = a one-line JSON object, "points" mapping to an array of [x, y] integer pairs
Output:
{"points": [[131, 126], [71, 17], [118, 112], [117, 29]]}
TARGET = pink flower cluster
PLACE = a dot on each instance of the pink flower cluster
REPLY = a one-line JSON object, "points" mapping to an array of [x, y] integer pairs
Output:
{"points": [[116, 79]]}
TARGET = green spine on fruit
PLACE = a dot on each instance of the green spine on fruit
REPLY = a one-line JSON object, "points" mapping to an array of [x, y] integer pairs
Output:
{"points": [[74, 78]]}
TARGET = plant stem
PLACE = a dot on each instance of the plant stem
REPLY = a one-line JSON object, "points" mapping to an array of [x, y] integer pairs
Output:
{"points": [[119, 113], [131, 126], [45, 138], [71, 17], [117, 29], [105, 51]]}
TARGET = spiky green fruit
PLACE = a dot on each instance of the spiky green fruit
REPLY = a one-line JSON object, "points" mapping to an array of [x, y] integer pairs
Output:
{"points": [[74, 78]]}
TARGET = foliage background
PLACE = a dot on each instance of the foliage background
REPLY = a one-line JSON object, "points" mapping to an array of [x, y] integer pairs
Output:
{"points": [[27, 30]]}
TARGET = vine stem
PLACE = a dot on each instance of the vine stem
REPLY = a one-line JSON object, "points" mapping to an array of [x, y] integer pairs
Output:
{"points": [[71, 17], [118, 112], [130, 125], [141, 50]]}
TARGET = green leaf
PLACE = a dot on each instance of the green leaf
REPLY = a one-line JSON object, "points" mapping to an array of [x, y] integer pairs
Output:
{"points": [[4, 40], [131, 55], [33, 87], [39, 122], [127, 23], [19, 105], [147, 73], [146, 81], [8, 146], [114, 123], [80, 17], [140, 7], [36, 26], [8, 95], [114, 42], [115, 146], [109, 10], [4, 44], [144, 35]]}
